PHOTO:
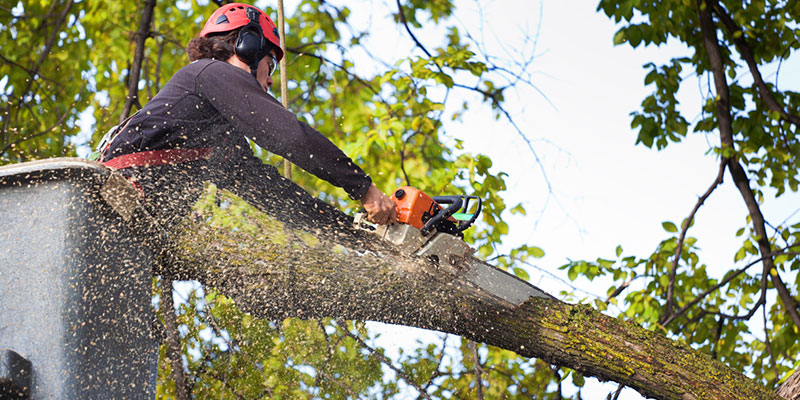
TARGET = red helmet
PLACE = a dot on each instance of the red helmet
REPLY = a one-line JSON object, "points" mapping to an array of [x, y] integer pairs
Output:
{"points": [[235, 15]]}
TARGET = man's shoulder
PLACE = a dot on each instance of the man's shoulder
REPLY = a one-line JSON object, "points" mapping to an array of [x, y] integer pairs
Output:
{"points": [[205, 64], [214, 72]]}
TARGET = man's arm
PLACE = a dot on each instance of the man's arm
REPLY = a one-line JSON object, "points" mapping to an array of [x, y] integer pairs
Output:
{"points": [[238, 97]]}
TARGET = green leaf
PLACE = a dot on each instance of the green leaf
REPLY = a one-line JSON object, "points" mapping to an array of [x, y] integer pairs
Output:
{"points": [[572, 274], [669, 227], [619, 37], [535, 251], [578, 379], [519, 209], [522, 274]]}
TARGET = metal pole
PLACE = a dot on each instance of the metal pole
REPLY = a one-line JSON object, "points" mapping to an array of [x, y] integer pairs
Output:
{"points": [[287, 165]]}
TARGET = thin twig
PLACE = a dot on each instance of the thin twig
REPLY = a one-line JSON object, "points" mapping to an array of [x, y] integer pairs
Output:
{"points": [[621, 288], [338, 383], [724, 281], [436, 373], [492, 96], [408, 29], [685, 228], [48, 45]]}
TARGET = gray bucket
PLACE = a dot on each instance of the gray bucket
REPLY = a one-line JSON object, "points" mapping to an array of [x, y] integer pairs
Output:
{"points": [[75, 285]]}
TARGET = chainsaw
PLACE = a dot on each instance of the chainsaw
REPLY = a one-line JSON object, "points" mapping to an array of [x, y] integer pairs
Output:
{"points": [[432, 227]]}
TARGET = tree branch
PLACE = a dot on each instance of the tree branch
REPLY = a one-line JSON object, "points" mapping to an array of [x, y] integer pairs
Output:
{"points": [[493, 96], [717, 335], [59, 122], [738, 38], [724, 117], [400, 374], [32, 72], [436, 373], [476, 360], [719, 285], [173, 340], [679, 248], [48, 46], [408, 29], [135, 70], [370, 280], [768, 344]]}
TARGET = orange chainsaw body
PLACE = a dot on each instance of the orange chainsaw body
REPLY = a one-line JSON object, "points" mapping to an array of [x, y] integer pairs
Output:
{"points": [[413, 206]]}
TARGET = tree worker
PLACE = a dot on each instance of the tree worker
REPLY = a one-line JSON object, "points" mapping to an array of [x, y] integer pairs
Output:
{"points": [[196, 129]]}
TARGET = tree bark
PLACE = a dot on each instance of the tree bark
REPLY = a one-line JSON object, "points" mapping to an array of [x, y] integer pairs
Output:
{"points": [[331, 271], [790, 389]]}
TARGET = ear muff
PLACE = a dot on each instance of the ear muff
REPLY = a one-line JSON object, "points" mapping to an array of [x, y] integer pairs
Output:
{"points": [[251, 45]]}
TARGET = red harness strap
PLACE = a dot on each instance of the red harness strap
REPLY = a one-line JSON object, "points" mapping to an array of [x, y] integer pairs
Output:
{"points": [[159, 157]]}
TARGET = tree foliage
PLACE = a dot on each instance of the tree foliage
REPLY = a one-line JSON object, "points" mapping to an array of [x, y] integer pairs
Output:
{"points": [[729, 46], [63, 61]]}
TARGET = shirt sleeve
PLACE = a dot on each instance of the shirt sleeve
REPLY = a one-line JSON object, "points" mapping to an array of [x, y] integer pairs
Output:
{"points": [[240, 99]]}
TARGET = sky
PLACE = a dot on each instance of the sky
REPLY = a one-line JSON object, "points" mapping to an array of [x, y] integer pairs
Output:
{"points": [[601, 190]]}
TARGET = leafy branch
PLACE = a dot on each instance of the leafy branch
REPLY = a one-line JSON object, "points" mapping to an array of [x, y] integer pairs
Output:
{"points": [[724, 118], [679, 248], [378, 355]]}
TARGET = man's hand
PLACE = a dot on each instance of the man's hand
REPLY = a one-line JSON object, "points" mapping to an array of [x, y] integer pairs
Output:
{"points": [[380, 209]]}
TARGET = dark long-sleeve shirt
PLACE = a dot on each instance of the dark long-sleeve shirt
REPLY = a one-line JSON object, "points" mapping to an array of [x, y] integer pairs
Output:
{"points": [[211, 103]]}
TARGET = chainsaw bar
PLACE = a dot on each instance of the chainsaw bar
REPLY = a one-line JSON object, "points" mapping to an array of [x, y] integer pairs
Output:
{"points": [[453, 253]]}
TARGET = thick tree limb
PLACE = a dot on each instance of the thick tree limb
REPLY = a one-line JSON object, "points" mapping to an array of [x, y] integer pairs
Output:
{"points": [[335, 271]]}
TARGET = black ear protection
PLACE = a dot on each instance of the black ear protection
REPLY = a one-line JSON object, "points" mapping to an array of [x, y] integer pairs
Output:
{"points": [[251, 45]]}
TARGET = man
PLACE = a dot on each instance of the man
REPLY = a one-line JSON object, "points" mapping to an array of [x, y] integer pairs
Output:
{"points": [[196, 128]]}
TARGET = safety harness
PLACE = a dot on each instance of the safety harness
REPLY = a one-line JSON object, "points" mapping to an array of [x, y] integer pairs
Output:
{"points": [[158, 157], [149, 158]]}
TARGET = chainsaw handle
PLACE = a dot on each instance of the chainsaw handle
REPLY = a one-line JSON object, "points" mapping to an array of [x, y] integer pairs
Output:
{"points": [[463, 225], [468, 223], [455, 205]]}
